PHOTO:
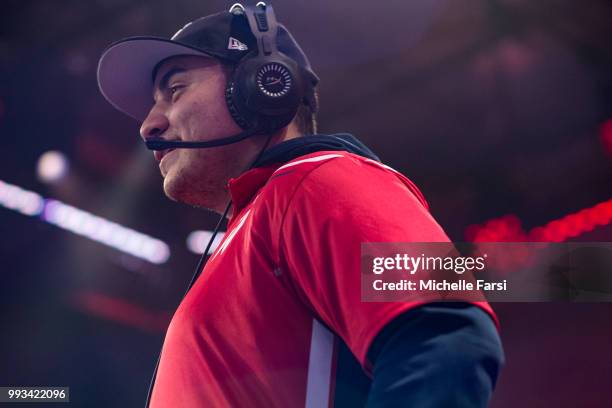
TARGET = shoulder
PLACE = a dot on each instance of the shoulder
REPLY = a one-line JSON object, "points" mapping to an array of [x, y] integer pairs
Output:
{"points": [[337, 174], [335, 193]]}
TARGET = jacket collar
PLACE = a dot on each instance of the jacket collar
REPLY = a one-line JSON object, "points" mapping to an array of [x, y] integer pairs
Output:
{"points": [[244, 187]]}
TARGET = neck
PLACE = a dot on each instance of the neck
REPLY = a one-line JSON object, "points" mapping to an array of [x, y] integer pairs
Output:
{"points": [[256, 145]]}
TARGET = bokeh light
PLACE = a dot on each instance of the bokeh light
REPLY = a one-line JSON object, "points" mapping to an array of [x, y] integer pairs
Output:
{"points": [[52, 166]]}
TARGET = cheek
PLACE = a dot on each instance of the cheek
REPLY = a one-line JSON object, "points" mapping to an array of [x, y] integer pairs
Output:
{"points": [[204, 116], [199, 166], [190, 115]]}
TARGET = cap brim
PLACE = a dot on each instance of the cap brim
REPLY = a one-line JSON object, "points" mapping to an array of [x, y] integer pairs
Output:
{"points": [[125, 71]]}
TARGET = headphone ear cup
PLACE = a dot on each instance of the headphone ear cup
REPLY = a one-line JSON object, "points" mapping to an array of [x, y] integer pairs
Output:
{"points": [[233, 107], [265, 91]]}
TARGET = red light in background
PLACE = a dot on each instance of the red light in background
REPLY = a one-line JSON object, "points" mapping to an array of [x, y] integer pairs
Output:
{"points": [[508, 228], [606, 136], [120, 311], [504, 229]]}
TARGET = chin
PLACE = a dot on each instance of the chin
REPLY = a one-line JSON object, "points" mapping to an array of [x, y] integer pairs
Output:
{"points": [[169, 190], [177, 189], [180, 190]]}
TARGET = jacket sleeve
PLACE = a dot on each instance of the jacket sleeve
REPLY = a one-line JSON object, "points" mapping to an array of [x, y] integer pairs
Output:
{"points": [[437, 355]]}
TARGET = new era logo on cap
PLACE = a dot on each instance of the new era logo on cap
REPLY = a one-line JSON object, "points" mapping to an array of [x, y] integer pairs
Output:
{"points": [[235, 44]]}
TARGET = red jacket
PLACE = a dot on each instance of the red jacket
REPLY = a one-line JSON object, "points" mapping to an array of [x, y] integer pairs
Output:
{"points": [[253, 330]]}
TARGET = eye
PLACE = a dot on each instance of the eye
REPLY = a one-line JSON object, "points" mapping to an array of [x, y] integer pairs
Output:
{"points": [[174, 89]]}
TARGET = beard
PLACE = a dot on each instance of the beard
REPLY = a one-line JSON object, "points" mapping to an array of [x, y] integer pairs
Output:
{"points": [[199, 178]]}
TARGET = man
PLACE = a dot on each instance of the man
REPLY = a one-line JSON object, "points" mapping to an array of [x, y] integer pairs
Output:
{"points": [[275, 318]]}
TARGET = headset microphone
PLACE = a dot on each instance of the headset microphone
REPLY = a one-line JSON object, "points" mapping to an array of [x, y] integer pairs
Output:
{"points": [[160, 144]]}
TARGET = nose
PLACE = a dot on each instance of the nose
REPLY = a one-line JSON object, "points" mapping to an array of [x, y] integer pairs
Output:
{"points": [[154, 124]]}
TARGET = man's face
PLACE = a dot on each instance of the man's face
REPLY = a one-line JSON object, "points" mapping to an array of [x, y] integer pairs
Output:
{"points": [[190, 106]]}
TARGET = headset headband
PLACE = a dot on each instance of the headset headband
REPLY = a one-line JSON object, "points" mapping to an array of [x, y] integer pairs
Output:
{"points": [[264, 27]]}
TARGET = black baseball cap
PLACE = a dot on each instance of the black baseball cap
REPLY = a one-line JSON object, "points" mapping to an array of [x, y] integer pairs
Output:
{"points": [[125, 69]]}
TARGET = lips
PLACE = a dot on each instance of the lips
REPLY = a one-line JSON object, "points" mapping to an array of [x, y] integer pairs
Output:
{"points": [[159, 154]]}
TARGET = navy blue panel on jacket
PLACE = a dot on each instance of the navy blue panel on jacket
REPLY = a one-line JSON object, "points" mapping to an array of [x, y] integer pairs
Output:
{"points": [[437, 355]]}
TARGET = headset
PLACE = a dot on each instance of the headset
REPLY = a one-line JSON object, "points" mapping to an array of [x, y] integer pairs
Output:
{"points": [[262, 95], [265, 89]]}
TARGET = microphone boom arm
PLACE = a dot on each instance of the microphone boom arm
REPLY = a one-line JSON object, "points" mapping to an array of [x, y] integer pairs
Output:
{"points": [[160, 144]]}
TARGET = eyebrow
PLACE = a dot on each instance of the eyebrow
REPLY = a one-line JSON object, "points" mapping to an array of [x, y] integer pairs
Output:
{"points": [[163, 82]]}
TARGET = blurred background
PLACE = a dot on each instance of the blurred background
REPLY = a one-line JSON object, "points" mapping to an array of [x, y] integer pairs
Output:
{"points": [[499, 110]]}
